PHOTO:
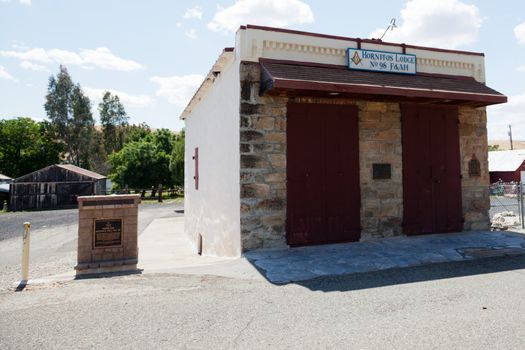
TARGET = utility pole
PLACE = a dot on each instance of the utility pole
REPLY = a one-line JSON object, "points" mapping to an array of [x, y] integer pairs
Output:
{"points": [[510, 135]]}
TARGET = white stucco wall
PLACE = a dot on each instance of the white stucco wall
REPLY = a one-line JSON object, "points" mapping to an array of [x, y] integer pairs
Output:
{"points": [[213, 127]]}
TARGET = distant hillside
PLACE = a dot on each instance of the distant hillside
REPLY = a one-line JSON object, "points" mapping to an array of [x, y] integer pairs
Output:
{"points": [[505, 144]]}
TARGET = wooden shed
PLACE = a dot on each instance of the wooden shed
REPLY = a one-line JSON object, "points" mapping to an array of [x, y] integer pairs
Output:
{"points": [[54, 187]]}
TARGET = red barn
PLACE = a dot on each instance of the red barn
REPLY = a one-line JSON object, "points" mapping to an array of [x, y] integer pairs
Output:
{"points": [[506, 165]]}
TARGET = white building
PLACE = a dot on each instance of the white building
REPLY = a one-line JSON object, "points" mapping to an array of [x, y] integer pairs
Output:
{"points": [[300, 138]]}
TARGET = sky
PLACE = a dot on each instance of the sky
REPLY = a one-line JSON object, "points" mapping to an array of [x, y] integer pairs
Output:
{"points": [[154, 54]]}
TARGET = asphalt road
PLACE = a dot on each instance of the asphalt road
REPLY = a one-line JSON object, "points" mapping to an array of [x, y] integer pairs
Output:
{"points": [[11, 223], [468, 305], [54, 239]]}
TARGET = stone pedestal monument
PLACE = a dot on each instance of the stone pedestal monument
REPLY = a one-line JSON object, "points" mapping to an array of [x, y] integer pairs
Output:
{"points": [[107, 234]]}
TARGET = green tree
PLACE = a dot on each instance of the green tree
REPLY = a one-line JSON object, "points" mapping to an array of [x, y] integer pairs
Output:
{"points": [[69, 110], [114, 120], [177, 159], [26, 146], [146, 162], [98, 159], [138, 165], [136, 132], [493, 148], [163, 139]]}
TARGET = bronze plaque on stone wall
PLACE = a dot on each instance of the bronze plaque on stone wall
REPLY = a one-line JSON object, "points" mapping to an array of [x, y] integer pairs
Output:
{"points": [[474, 168], [107, 233]]}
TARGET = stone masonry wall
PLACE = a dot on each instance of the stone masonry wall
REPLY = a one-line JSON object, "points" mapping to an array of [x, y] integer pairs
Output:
{"points": [[473, 144], [380, 142], [263, 164]]}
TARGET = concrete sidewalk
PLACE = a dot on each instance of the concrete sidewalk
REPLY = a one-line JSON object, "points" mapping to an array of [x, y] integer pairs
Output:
{"points": [[164, 248], [303, 263]]}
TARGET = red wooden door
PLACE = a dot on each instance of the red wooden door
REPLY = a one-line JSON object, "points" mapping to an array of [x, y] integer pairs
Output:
{"points": [[323, 195], [431, 170]]}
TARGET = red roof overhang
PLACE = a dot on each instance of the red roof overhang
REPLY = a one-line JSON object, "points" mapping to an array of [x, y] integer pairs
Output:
{"points": [[300, 78]]}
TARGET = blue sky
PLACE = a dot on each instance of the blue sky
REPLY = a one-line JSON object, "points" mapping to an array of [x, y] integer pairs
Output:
{"points": [[153, 54]]}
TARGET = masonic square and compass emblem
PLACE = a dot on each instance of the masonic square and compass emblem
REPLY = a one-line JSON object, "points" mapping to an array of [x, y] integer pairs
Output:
{"points": [[356, 59]]}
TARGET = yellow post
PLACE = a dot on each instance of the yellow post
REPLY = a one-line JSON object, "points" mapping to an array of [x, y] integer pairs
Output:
{"points": [[25, 252]]}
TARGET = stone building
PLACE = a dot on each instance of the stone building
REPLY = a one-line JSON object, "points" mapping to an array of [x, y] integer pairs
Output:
{"points": [[298, 138]]}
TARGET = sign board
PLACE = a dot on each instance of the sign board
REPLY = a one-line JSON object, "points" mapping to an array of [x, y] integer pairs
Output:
{"points": [[107, 233], [381, 61]]}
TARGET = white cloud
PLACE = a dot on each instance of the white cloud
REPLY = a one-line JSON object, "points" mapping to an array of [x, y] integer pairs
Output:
{"points": [[178, 24], [33, 66], [500, 116], [101, 57], [23, 2], [192, 34], [444, 23], [95, 95], [521, 69], [519, 32], [38, 55], [64, 57], [194, 12], [4, 74], [278, 13], [178, 90]]}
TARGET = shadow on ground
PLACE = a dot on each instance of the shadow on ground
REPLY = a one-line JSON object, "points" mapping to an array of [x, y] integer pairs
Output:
{"points": [[416, 274]]}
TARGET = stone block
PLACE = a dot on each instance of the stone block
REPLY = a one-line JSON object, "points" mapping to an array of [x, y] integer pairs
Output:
{"points": [[275, 177], [271, 204], [257, 190], [263, 148], [376, 107], [250, 71], [251, 136], [250, 241], [246, 90], [245, 148], [264, 123], [280, 124], [275, 137], [246, 122], [251, 109], [251, 177], [370, 117], [278, 161], [279, 112], [273, 220], [249, 161], [245, 208]]}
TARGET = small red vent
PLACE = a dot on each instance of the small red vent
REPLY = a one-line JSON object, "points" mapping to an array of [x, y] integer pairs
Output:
{"points": [[196, 163]]}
